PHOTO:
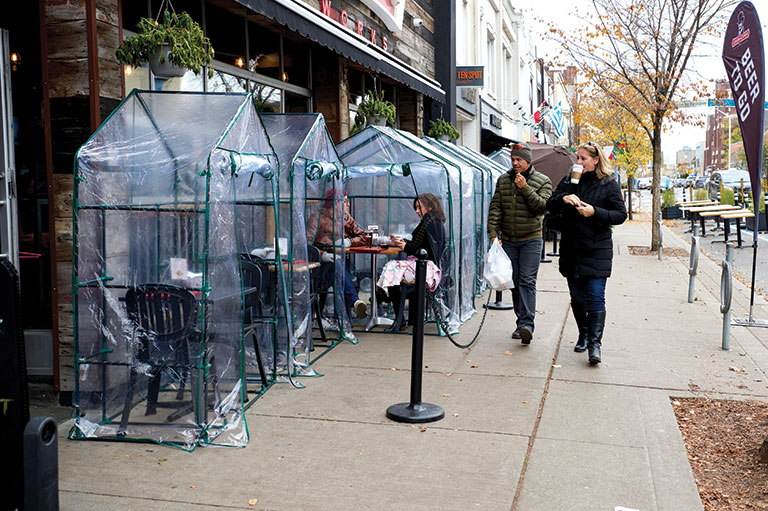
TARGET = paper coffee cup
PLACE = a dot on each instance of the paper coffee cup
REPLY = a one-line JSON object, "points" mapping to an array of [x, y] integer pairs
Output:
{"points": [[576, 171]]}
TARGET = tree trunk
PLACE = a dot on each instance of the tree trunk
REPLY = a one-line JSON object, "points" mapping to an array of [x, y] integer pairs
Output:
{"points": [[657, 168], [630, 191]]}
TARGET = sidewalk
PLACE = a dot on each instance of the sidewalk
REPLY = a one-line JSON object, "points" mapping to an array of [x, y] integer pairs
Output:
{"points": [[526, 428]]}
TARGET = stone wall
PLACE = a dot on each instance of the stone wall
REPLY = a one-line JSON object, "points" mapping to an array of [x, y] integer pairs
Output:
{"points": [[68, 88]]}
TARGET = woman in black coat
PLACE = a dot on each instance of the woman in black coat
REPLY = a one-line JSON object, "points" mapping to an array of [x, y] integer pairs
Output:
{"points": [[586, 208], [428, 235]]}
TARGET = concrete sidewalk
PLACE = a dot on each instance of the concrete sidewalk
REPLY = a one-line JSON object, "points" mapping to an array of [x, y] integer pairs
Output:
{"points": [[526, 428]]}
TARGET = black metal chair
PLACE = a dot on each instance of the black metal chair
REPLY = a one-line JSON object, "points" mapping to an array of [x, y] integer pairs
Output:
{"points": [[164, 321], [259, 306], [320, 279]]}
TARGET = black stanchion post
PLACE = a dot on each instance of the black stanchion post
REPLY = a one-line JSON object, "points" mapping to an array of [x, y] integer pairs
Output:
{"points": [[415, 411], [543, 251], [14, 397], [554, 252], [41, 465]]}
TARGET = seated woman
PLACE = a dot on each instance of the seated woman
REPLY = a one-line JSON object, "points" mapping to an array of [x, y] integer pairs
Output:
{"points": [[322, 225], [428, 235]]}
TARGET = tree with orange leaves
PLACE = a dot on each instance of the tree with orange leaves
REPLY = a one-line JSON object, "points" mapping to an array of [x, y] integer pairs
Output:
{"points": [[635, 52]]}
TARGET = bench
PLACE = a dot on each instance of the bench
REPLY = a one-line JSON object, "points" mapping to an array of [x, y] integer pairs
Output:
{"points": [[701, 210]]}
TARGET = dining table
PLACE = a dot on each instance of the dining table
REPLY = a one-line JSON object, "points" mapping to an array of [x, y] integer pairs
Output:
{"points": [[375, 320]]}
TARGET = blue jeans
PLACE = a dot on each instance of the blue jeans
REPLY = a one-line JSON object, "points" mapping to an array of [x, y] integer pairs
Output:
{"points": [[589, 291], [525, 257], [350, 293]]}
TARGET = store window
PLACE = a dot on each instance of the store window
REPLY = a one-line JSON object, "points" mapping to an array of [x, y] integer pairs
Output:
{"points": [[296, 63], [296, 104], [263, 51], [267, 99], [227, 34], [248, 57]]}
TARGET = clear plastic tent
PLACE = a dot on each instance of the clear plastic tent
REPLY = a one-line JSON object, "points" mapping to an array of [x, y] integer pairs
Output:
{"points": [[486, 173], [502, 158], [387, 169], [311, 184], [158, 295]]}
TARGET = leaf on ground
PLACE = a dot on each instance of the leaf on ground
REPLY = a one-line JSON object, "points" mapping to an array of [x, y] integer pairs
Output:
{"points": [[253, 502], [736, 369], [446, 395], [422, 429], [507, 352], [193, 486]]}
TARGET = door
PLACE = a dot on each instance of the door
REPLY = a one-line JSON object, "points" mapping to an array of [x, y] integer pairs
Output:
{"points": [[9, 236]]}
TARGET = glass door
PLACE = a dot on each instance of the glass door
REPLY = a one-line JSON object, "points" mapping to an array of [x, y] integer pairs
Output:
{"points": [[9, 247]]}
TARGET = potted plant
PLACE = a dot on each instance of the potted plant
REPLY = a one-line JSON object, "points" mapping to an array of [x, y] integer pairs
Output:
{"points": [[374, 110], [443, 130], [171, 46], [669, 210]]}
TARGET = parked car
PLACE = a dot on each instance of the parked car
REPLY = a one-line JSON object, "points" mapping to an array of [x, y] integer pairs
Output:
{"points": [[690, 180], [701, 182], [643, 183], [731, 179]]}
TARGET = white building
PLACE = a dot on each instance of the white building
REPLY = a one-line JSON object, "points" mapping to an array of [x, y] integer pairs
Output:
{"points": [[494, 35]]}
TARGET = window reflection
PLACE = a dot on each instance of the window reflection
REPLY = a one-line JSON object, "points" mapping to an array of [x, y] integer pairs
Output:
{"points": [[266, 99], [223, 82], [189, 82], [137, 79]]}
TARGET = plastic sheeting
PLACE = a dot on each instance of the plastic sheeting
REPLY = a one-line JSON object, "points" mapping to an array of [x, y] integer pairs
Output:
{"points": [[387, 170], [157, 291], [486, 173], [311, 192]]}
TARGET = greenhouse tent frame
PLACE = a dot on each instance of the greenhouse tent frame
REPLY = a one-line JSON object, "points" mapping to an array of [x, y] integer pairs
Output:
{"points": [[392, 165], [158, 295], [488, 173], [311, 184]]}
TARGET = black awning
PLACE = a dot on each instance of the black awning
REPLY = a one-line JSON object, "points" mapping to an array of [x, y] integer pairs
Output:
{"points": [[491, 141], [314, 25]]}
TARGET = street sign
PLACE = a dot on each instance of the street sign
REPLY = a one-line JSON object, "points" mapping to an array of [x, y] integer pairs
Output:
{"points": [[727, 102], [469, 76]]}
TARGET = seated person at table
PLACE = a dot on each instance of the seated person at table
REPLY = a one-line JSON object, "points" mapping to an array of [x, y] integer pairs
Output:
{"points": [[428, 235], [353, 236]]}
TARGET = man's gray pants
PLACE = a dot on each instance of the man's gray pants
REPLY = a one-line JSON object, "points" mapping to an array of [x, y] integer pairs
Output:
{"points": [[525, 257]]}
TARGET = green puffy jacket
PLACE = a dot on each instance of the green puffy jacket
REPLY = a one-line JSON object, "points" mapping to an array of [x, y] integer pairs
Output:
{"points": [[515, 212]]}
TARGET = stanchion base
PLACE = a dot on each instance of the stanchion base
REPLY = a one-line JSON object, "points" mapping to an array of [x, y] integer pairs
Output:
{"points": [[415, 413], [746, 322], [553, 254], [499, 306], [545, 261]]}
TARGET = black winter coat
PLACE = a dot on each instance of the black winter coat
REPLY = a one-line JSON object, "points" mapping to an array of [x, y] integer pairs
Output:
{"points": [[586, 248]]}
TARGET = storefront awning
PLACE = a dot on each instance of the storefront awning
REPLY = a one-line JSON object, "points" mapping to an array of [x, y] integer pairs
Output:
{"points": [[312, 24]]}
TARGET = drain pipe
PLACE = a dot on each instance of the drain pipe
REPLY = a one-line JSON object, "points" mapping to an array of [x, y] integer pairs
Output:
{"points": [[693, 265], [726, 295]]}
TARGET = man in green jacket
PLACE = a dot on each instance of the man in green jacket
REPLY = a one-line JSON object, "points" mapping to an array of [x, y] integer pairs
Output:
{"points": [[514, 218]]}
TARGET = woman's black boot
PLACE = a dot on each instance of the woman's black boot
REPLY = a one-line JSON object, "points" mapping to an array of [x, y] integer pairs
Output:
{"points": [[595, 326], [580, 315]]}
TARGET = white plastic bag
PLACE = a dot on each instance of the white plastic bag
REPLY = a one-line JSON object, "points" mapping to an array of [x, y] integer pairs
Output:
{"points": [[498, 268]]}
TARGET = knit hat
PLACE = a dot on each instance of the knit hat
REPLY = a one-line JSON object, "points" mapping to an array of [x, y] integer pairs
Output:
{"points": [[521, 150]]}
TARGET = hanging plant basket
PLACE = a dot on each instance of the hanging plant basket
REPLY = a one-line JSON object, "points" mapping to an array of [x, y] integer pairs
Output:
{"points": [[167, 69], [170, 44], [377, 120], [443, 130]]}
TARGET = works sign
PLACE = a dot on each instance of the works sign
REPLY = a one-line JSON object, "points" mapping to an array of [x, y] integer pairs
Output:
{"points": [[385, 9]]}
